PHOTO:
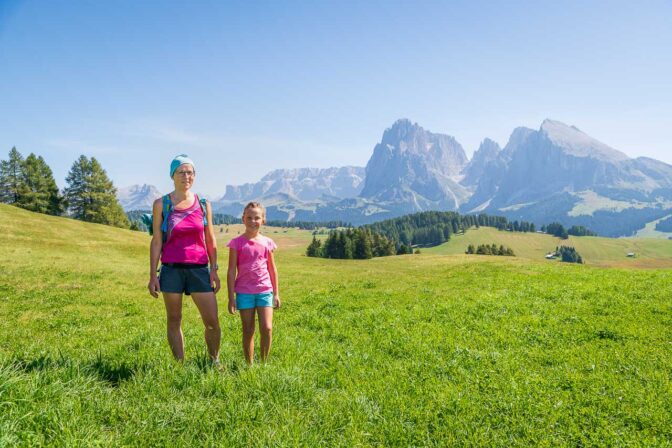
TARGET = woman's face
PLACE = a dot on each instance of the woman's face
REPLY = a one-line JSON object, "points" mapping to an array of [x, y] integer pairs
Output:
{"points": [[253, 218], [184, 175]]}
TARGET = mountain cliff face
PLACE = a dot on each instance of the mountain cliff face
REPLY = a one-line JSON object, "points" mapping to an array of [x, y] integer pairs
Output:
{"points": [[560, 173], [555, 173], [474, 170], [304, 184], [414, 166], [137, 197]]}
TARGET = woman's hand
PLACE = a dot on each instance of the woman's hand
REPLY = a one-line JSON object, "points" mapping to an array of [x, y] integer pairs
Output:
{"points": [[276, 301], [214, 280], [154, 286], [232, 306]]}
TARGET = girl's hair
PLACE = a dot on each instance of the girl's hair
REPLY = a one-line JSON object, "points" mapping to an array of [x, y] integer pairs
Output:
{"points": [[255, 205]]}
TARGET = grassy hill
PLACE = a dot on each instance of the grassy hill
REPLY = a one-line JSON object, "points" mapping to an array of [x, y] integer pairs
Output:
{"points": [[605, 252], [421, 350]]}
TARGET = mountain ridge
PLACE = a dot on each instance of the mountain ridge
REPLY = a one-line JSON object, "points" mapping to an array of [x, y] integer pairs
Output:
{"points": [[557, 172]]}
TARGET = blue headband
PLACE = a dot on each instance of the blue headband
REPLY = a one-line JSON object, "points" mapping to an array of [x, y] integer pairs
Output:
{"points": [[178, 161]]}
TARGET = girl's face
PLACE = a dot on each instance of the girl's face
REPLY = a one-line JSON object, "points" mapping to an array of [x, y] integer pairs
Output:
{"points": [[253, 218], [183, 177]]}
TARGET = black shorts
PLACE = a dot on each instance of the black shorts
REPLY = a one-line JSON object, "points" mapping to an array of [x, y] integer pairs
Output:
{"points": [[185, 280]]}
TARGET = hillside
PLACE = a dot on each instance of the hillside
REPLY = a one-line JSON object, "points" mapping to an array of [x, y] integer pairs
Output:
{"points": [[418, 350], [604, 252]]}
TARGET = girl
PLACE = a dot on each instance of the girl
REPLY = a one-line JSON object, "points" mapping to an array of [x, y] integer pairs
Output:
{"points": [[253, 277], [184, 258]]}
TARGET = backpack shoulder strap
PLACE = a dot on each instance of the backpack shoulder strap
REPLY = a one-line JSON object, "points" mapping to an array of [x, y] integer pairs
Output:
{"points": [[167, 208], [204, 208]]}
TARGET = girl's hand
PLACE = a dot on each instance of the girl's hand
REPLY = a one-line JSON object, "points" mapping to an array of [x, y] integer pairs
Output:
{"points": [[154, 286], [214, 280], [276, 301], [232, 306]]}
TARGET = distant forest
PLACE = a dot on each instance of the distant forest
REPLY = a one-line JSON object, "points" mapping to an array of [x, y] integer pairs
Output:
{"points": [[399, 235], [665, 225], [434, 228], [557, 229]]}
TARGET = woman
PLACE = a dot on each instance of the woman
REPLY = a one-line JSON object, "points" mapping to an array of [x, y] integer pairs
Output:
{"points": [[185, 250]]}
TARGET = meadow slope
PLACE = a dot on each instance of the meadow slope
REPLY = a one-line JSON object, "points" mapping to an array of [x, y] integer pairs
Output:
{"points": [[596, 251], [419, 350]]}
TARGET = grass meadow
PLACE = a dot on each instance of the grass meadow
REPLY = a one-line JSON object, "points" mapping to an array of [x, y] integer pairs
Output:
{"points": [[435, 349]]}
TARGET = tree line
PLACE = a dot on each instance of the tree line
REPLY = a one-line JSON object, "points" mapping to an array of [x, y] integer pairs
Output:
{"points": [[490, 249], [89, 195], [358, 244], [665, 225], [557, 229], [434, 228]]}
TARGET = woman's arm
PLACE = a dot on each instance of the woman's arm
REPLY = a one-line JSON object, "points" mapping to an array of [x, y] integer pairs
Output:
{"points": [[155, 247], [211, 246], [273, 271], [231, 279]]}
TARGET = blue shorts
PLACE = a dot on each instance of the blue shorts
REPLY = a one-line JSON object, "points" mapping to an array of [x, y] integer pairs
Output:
{"points": [[248, 301], [185, 279]]}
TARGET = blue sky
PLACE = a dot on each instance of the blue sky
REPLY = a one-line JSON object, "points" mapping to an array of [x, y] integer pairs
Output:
{"points": [[246, 87]]}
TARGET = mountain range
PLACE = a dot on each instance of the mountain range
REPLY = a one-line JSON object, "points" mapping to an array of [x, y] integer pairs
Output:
{"points": [[555, 173]]}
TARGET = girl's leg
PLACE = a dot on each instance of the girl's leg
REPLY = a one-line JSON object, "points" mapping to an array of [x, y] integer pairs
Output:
{"points": [[173, 302], [265, 330], [247, 319], [207, 306]]}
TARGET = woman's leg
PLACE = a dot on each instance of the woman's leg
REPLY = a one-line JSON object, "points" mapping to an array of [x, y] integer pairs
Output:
{"points": [[207, 306], [247, 319], [173, 302], [265, 329]]}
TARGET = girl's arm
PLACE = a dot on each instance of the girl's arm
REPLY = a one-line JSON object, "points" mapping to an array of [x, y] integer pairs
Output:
{"points": [[273, 271], [155, 247], [231, 279], [211, 246]]}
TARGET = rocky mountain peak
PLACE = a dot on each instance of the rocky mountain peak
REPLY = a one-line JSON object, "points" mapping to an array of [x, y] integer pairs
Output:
{"points": [[137, 197], [578, 143], [411, 162]]}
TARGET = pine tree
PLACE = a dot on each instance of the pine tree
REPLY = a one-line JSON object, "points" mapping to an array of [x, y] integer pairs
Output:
{"points": [[314, 248], [11, 178], [362, 249], [40, 191], [91, 196]]}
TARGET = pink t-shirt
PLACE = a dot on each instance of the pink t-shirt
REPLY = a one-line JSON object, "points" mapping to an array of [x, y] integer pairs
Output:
{"points": [[253, 276], [186, 236]]}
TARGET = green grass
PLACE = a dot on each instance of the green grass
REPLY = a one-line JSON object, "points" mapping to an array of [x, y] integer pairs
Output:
{"points": [[605, 252], [421, 350]]}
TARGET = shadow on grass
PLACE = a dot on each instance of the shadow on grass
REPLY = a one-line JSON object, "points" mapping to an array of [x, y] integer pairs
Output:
{"points": [[230, 366], [113, 374]]}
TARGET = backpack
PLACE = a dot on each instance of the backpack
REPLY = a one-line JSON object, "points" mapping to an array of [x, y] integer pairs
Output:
{"points": [[148, 218]]}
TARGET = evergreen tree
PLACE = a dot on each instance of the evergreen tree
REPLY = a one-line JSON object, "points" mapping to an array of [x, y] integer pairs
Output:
{"points": [[40, 191], [404, 249], [315, 248], [348, 245], [12, 184], [91, 196], [331, 245], [363, 250]]}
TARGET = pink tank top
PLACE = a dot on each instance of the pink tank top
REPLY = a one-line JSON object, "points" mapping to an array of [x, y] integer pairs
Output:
{"points": [[186, 236]]}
